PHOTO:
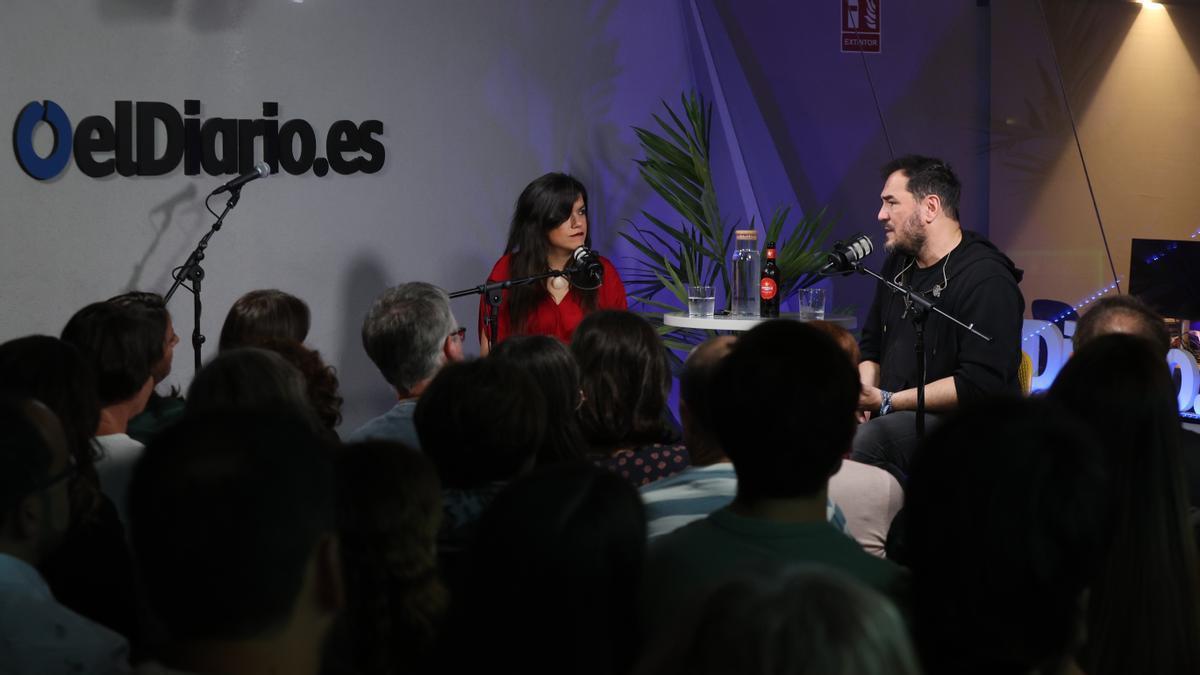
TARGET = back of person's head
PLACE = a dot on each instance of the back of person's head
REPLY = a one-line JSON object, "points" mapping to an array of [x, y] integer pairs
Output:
{"points": [[481, 422], [321, 382], [625, 377], [843, 337], [121, 344], [153, 308], [558, 556], [34, 470], [251, 379], [1145, 608], [553, 367], [266, 313], [695, 390], [808, 620], [227, 514], [1122, 314], [55, 373], [782, 405], [389, 510], [405, 330], [1007, 516]]}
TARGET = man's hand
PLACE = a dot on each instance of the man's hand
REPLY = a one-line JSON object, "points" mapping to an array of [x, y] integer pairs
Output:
{"points": [[870, 399]]}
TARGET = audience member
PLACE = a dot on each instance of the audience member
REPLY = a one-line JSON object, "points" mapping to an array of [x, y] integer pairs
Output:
{"points": [[868, 496], [233, 529], [91, 571], [554, 368], [481, 422], [161, 410], [40, 636], [553, 578], [787, 397], [710, 482], [1127, 314], [1122, 314], [264, 314], [808, 620], [389, 510], [1144, 609], [122, 345], [1004, 532], [626, 381], [321, 381], [410, 333], [253, 379]]}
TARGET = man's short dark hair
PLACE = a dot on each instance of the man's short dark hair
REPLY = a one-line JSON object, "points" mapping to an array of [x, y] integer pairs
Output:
{"points": [[149, 304], [1099, 318], [122, 345], [225, 512], [783, 403], [481, 422], [25, 456], [404, 331], [928, 176]]}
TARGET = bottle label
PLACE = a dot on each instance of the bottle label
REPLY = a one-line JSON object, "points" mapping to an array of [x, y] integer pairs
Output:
{"points": [[768, 289]]}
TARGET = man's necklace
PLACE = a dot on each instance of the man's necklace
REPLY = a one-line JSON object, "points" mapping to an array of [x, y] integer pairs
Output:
{"points": [[935, 290]]}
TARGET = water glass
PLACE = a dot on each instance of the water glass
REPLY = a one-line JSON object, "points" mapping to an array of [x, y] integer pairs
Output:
{"points": [[812, 303], [702, 301]]}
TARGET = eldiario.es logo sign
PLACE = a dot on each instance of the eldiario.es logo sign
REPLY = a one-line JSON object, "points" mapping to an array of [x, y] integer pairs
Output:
{"points": [[127, 145]]}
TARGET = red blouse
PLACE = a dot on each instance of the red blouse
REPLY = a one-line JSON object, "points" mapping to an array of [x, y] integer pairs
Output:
{"points": [[550, 318]]}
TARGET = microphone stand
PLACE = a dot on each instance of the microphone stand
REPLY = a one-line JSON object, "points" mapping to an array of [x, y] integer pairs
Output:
{"points": [[193, 272], [920, 308], [494, 292]]}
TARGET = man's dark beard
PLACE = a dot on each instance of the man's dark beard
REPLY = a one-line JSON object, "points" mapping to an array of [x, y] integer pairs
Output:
{"points": [[916, 240]]}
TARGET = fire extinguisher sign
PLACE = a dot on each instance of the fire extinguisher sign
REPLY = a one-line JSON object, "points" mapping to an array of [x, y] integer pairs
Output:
{"points": [[861, 26]]}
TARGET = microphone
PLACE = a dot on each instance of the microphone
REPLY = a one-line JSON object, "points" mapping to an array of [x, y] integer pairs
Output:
{"points": [[845, 254], [260, 170], [585, 270]]}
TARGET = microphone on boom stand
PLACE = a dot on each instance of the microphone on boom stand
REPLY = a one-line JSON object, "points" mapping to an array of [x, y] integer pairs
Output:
{"points": [[844, 254]]}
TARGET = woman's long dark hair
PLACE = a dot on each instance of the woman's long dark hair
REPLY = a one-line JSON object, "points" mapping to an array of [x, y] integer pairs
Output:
{"points": [[1144, 610], [264, 313], [557, 375], [389, 510], [626, 380], [543, 205], [557, 560]]}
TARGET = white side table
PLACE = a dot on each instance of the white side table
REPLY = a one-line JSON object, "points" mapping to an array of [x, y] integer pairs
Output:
{"points": [[742, 323]]}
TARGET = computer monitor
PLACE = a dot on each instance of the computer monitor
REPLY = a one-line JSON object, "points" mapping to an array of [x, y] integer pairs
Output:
{"points": [[1165, 274]]}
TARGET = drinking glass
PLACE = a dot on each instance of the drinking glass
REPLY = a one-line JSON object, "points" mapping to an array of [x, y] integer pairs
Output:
{"points": [[701, 301], [812, 303]]}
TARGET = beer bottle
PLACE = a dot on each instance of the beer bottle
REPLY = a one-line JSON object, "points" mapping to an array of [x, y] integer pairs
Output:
{"points": [[768, 288]]}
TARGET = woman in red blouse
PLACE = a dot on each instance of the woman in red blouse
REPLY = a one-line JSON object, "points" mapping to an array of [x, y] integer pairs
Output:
{"points": [[548, 224]]}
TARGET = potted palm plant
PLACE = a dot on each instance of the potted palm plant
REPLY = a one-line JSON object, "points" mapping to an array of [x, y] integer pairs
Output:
{"points": [[676, 165]]}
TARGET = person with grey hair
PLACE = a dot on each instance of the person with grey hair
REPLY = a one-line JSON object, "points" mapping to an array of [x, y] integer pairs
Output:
{"points": [[804, 619], [410, 333]]}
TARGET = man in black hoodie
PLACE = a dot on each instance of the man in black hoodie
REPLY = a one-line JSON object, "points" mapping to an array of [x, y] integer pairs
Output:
{"points": [[965, 276]]}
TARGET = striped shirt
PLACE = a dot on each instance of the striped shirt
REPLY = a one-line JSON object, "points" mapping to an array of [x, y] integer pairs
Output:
{"points": [[697, 491]]}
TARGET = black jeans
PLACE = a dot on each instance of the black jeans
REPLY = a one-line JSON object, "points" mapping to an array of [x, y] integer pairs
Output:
{"points": [[889, 442]]}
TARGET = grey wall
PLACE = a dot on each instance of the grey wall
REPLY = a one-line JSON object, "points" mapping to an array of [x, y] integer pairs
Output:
{"points": [[477, 98]]}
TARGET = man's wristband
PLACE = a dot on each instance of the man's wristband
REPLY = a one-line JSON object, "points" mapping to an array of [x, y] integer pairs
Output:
{"points": [[886, 406]]}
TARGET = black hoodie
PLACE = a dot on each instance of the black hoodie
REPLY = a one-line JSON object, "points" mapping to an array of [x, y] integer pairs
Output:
{"points": [[980, 288]]}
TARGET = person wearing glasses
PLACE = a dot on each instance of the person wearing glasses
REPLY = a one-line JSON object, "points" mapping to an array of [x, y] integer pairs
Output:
{"points": [[549, 222], [40, 635], [409, 333]]}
